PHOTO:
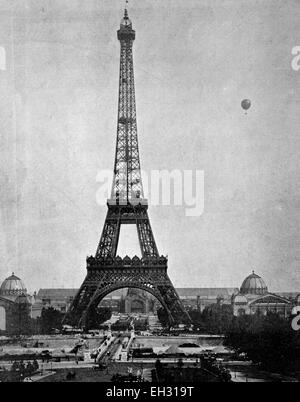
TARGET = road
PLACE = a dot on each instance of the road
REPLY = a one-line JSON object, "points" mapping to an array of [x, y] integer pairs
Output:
{"points": [[111, 350]]}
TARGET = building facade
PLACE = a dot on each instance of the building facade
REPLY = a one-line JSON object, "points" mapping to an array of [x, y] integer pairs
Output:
{"points": [[254, 298]]}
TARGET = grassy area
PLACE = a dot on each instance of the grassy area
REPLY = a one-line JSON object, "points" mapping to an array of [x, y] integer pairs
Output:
{"points": [[90, 375]]}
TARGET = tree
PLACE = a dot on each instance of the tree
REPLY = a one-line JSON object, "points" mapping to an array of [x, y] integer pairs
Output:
{"points": [[197, 320], [35, 365], [15, 366], [98, 316], [163, 317], [20, 323], [50, 319], [217, 318], [29, 369], [15, 372]]}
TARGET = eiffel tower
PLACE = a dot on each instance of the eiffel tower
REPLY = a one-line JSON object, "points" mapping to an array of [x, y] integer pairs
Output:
{"points": [[106, 271]]}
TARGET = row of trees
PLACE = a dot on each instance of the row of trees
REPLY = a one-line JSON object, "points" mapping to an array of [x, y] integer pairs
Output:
{"points": [[267, 340], [21, 323], [19, 371], [50, 320], [216, 318]]}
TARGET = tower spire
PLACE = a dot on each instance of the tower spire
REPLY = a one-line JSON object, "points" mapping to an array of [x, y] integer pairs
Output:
{"points": [[126, 11]]}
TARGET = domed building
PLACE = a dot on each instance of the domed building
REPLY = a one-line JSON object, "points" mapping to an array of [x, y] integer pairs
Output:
{"points": [[12, 286], [14, 304], [254, 284], [254, 298]]}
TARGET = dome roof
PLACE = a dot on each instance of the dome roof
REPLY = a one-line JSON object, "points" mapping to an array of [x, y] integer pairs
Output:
{"points": [[12, 286], [254, 284]]}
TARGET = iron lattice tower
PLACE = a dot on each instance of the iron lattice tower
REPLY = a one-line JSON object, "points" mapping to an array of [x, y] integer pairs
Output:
{"points": [[106, 271]]}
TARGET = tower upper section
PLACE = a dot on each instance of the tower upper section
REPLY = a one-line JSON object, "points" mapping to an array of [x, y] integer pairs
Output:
{"points": [[127, 182]]}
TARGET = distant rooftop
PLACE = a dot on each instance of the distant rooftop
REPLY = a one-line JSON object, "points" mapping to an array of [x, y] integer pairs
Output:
{"points": [[57, 294], [206, 292]]}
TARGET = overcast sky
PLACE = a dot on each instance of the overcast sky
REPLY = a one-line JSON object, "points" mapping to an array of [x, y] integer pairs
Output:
{"points": [[194, 61]]}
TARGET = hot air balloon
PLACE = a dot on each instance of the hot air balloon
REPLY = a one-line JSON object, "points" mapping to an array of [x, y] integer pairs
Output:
{"points": [[246, 103]]}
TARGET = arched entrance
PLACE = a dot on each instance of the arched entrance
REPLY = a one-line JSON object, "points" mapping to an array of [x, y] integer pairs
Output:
{"points": [[100, 295], [6, 314], [132, 301], [2, 319]]}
